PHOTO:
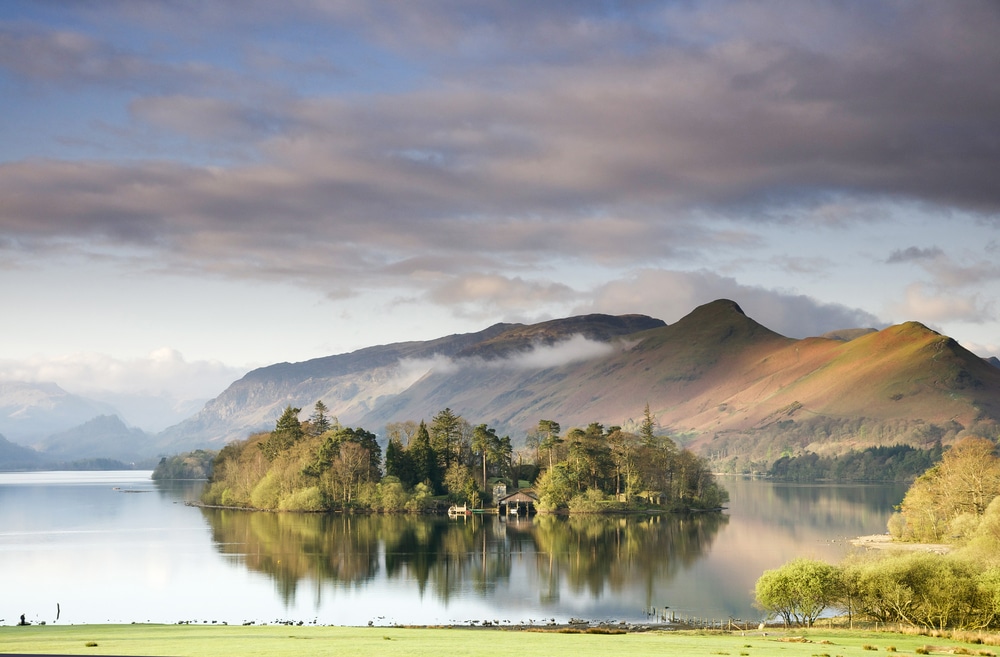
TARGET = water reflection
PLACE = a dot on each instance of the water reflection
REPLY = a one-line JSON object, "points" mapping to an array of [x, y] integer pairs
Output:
{"points": [[587, 556], [107, 556]]}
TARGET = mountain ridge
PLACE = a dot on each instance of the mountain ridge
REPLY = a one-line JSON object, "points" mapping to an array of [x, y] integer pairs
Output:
{"points": [[716, 380]]}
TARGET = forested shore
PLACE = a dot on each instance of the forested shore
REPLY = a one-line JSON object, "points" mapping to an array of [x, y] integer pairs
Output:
{"points": [[319, 465]]}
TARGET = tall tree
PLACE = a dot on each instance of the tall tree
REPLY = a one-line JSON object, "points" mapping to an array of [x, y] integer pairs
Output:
{"points": [[549, 440], [647, 427], [287, 432], [624, 449], [401, 431], [399, 463], [425, 460], [485, 443], [319, 421], [446, 436]]}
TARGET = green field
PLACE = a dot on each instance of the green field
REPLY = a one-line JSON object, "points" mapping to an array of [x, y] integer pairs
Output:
{"points": [[182, 640]]}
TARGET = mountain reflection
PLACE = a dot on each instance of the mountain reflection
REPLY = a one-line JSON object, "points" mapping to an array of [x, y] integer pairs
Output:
{"points": [[587, 555]]}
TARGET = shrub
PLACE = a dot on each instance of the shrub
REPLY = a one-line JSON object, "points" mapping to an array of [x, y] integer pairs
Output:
{"points": [[307, 499]]}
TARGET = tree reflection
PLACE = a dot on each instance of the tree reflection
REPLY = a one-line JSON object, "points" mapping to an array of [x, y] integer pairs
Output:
{"points": [[587, 555], [590, 553]]}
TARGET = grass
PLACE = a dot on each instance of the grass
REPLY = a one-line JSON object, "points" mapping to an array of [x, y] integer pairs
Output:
{"points": [[277, 640]]}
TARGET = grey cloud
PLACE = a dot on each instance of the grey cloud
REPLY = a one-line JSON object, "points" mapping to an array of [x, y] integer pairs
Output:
{"points": [[73, 60], [669, 295], [485, 295], [207, 118], [914, 253], [603, 139], [946, 272]]}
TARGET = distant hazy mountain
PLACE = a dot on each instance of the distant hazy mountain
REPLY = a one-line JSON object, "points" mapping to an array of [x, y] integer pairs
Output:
{"points": [[31, 411], [105, 436], [716, 379], [16, 457]]}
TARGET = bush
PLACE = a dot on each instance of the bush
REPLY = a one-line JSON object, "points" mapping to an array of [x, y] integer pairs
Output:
{"points": [[799, 591], [593, 501], [307, 499]]}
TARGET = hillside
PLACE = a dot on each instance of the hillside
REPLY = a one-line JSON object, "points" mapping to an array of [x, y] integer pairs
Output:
{"points": [[716, 379], [362, 386]]}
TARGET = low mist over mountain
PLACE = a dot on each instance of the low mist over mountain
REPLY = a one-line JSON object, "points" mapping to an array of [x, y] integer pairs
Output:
{"points": [[716, 379], [362, 387]]}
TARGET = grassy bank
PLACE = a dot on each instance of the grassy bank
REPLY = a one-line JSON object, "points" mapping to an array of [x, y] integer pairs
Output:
{"points": [[185, 640]]}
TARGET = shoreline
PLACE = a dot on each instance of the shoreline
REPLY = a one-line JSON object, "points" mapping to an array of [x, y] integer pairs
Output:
{"points": [[886, 542]]}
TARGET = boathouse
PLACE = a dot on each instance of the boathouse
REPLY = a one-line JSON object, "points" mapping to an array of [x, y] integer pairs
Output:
{"points": [[518, 503]]}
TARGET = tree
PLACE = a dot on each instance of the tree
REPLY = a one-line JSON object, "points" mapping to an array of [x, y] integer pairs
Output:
{"points": [[485, 442], [963, 484], [624, 447], [460, 484], [287, 432], [446, 435], [799, 591], [318, 421], [647, 427], [399, 463], [549, 440], [401, 431], [425, 460]]}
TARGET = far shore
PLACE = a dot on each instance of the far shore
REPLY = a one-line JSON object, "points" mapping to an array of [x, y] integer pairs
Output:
{"points": [[886, 542]]}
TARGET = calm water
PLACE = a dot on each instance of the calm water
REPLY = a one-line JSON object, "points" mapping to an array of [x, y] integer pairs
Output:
{"points": [[139, 554]]}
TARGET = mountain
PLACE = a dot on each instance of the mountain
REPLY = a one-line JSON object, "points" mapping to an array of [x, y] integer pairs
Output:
{"points": [[717, 380], [30, 411], [105, 436], [359, 386], [16, 457]]}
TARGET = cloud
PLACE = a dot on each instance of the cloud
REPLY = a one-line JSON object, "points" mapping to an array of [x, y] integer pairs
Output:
{"points": [[574, 349], [163, 372], [462, 153], [486, 295], [207, 118], [925, 303], [669, 295], [913, 253], [73, 60]]}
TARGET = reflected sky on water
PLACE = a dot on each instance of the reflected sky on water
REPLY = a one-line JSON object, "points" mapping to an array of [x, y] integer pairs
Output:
{"points": [[119, 547]]}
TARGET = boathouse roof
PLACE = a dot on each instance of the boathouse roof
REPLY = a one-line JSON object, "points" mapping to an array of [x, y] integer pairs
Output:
{"points": [[521, 496]]}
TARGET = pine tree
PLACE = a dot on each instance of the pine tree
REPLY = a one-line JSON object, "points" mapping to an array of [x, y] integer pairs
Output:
{"points": [[319, 421]]}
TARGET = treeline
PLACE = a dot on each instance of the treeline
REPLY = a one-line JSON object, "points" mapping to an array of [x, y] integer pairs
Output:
{"points": [[189, 465], [895, 463], [956, 501], [755, 450], [594, 468], [320, 465]]}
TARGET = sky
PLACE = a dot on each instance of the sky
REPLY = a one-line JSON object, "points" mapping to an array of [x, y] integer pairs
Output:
{"points": [[192, 189]]}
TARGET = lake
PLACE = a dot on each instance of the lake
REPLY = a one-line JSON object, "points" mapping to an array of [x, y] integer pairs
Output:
{"points": [[96, 547]]}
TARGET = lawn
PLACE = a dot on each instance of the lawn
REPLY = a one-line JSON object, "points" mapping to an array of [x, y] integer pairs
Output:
{"points": [[272, 640]]}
